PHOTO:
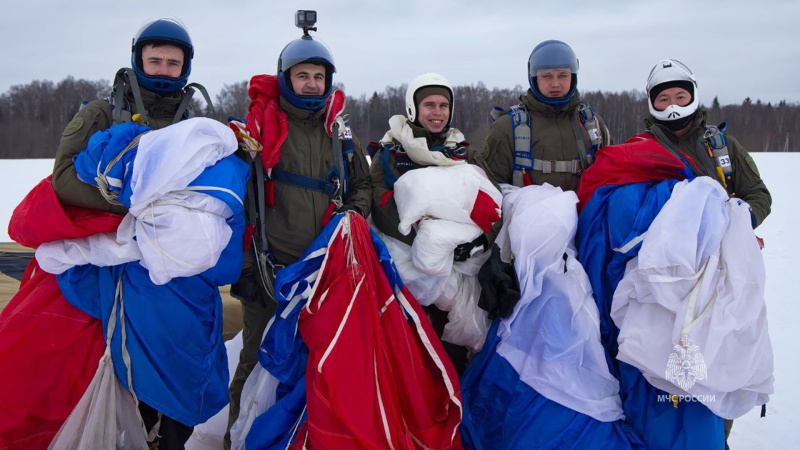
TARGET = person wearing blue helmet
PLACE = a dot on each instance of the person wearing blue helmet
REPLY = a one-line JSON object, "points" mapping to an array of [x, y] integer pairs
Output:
{"points": [[551, 135], [153, 92], [312, 165]]}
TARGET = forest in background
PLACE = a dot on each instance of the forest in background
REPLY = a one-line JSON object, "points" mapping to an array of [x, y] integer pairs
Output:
{"points": [[33, 115]]}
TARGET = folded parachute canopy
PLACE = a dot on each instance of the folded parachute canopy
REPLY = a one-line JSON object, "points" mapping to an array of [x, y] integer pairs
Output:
{"points": [[691, 308], [524, 388], [48, 348], [369, 371], [184, 189], [614, 218]]}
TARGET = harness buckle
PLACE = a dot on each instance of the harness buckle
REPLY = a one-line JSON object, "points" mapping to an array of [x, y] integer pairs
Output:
{"points": [[547, 166]]}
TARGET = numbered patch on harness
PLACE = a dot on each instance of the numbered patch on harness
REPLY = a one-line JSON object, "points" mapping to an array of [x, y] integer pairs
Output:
{"points": [[594, 134], [724, 161]]}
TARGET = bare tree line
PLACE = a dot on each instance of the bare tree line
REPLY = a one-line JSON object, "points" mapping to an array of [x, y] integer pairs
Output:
{"points": [[33, 116]]}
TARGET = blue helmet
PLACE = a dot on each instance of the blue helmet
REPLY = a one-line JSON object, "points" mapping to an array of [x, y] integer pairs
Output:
{"points": [[162, 31], [552, 54], [305, 50]]}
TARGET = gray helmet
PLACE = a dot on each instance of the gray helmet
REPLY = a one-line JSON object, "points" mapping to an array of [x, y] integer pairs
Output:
{"points": [[552, 54]]}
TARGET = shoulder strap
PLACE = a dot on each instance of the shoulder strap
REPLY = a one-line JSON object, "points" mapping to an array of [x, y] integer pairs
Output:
{"points": [[264, 262], [124, 75], [338, 162], [665, 142], [187, 98]]}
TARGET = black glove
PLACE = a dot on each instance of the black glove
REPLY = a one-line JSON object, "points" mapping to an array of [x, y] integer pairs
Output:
{"points": [[500, 290], [345, 208], [465, 251]]}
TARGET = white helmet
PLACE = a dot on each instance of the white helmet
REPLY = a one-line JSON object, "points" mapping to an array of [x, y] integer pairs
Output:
{"points": [[675, 73], [424, 81]]}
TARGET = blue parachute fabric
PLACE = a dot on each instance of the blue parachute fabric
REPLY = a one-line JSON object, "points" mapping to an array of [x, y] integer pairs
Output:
{"points": [[102, 148], [608, 228], [502, 412], [173, 331]]}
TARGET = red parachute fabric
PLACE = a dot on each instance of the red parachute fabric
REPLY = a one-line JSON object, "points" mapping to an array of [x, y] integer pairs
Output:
{"points": [[485, 211], [266, 122], [641, 158], [49, 350], [375, 378]]}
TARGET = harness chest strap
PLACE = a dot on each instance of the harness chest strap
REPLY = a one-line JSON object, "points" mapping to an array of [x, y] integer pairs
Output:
{"points": [[524, 160]]}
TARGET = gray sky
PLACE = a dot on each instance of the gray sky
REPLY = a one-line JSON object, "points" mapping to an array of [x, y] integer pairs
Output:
{"points": [[736, 48]]}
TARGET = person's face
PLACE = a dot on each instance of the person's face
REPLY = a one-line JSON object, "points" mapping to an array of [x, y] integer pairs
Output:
{"points": [[553, 83], [164, 60], [434, 112], [672, 96], [307, 79]]}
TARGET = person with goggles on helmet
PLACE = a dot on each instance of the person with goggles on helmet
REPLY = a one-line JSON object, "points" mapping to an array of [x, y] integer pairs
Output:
{"points": [[293, 113], [153, 92], [421, 138], [678, 122]]}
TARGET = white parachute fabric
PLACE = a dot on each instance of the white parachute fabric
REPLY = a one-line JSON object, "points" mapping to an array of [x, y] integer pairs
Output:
{"points": [[691, 307], [173, 229], [552, 338], [438, 201], [447, 193], [259, 393], [210, 434], [105, 417]]}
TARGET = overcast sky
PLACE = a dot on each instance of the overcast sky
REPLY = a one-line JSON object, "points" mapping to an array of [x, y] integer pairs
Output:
{"points": [[736, 48]]}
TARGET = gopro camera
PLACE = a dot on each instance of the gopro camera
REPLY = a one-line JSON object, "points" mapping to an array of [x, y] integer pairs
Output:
{"points": [[305, 19]]}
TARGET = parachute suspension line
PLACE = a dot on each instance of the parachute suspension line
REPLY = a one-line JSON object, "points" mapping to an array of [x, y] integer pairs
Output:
{"points": [[126, 357]]}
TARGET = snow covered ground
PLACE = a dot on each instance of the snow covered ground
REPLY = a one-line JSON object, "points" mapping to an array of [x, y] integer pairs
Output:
{"points": [[782, 256]]}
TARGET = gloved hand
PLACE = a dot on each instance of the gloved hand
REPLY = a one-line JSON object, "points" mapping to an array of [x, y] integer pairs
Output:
{"points": [[500, 290], [465, 251]]}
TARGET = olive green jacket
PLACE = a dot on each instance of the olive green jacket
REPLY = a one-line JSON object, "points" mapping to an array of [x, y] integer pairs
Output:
{"points": [[386, 217], [91, 118], [296, 219], [552, 138], [746, 180]]}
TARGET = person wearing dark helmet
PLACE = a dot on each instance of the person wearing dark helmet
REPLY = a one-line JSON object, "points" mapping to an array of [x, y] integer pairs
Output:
{"points": [[293, 115], [153, 92], [552, 135], [552, 131], [678, 122]]}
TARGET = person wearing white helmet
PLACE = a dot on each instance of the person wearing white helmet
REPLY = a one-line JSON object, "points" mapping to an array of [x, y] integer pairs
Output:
{"points": [[422, 137], [678, 122]]}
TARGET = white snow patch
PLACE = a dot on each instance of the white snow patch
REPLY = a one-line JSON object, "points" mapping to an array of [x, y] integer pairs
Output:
{"points": [[17, 178]]}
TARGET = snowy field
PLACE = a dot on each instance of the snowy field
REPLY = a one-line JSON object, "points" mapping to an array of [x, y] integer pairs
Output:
{"points": [[782, 256]]}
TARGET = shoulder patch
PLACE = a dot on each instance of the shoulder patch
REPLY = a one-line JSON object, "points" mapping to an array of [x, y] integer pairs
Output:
{"points": [[752, 164], [73, 127]]}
